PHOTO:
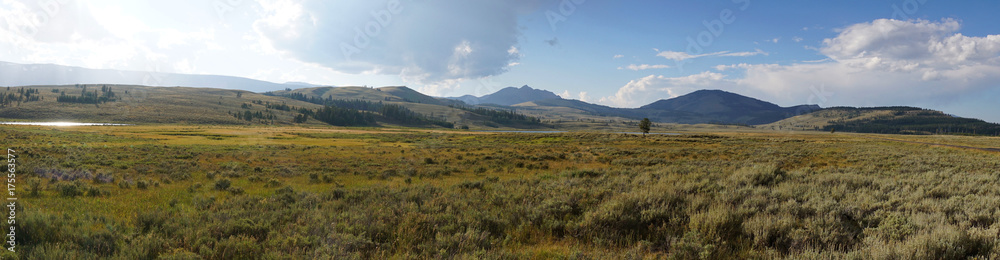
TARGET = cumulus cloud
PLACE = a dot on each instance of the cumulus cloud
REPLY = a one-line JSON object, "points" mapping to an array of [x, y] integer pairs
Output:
{"points": [[618, 56], [426, 42], [653, 87], [644, 67], [878, 63]]}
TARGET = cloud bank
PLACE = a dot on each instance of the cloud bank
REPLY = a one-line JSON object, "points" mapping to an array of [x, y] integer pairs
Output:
{"points": [[424, 42], [883, 62]]}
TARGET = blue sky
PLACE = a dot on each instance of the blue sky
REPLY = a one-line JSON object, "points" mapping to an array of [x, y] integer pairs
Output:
{"points": [[927, 53]]}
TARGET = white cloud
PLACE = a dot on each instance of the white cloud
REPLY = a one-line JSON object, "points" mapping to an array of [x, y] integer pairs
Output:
{"points": [[644, 67], [426, 43], [884, 62], [653, 87], [582, 95], [618, 56]]}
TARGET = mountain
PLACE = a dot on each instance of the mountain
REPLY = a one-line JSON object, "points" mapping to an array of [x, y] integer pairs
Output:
{"points": [[141, 104], [13, 74], [510, 96], [437, 108], [886, 120], [717, 106]]}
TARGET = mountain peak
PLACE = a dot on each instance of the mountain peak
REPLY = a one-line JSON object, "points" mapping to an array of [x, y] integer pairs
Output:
{"points": [[511, 96], [728, 107]]}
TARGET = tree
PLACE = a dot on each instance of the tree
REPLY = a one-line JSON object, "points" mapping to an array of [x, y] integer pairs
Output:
{"points": [[644, 126]]}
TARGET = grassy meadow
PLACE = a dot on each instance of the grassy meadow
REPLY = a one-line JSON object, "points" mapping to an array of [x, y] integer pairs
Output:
{"points": [[260, 192]]}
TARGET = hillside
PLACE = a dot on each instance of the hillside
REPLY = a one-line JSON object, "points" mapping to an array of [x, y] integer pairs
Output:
{"points": [[568, 107], [887, 120], [510, 96], [442, 109], [141, 104], [716, 106]]}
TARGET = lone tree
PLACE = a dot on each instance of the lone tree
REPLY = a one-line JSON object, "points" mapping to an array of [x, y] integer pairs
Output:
{"points": [[644, 126]]}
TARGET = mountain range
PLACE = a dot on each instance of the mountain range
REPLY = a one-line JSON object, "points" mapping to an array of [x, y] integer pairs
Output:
{"points": [[509, 96], [13, 74], [218, 100]]}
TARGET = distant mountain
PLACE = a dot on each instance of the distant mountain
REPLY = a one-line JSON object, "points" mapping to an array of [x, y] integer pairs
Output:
{"points": [[886, 120], [717, 106], [510, 96], [13, 74]]}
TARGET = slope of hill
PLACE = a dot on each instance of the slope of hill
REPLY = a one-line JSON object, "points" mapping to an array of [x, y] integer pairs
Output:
{"points": [[887, 120], [509, 96], [141, 104], [409, 95], [13, 74], [442, 109], [716, 106]]}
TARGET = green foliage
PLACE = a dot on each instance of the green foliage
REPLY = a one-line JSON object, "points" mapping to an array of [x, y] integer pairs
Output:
{"points": [[645, 125], [222, 184], [909, 120], [72, 189], [504, 117], [344, 117]]}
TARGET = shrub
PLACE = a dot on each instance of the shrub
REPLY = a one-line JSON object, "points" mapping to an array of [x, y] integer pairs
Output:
{"points": [[179, 254], [272, 183], [34, 186], [222, 184], [237, 247], [71, 189], [236, 190], [759, 175], [103, 243], [195, 187], [142, 184], [638, 215]]}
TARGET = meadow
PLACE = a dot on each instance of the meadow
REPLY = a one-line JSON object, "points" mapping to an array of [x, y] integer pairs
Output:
{"points": [[258, 192]]}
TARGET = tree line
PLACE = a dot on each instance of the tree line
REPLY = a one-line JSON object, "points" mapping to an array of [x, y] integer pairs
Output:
{"points": [[21, 95], [86, 97]]}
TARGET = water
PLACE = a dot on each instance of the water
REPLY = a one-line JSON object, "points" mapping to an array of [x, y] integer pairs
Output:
{"points": [[60, 124], [639, 133], [556, 132], [521, 131]]}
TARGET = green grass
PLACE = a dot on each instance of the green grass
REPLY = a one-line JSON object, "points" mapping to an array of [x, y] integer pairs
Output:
{"points": [[314, 192]]}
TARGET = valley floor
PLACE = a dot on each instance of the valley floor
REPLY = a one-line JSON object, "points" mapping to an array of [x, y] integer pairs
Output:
{"points": [[218, 192]]}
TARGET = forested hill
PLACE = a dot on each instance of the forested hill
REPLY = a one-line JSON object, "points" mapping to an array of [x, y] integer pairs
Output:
{"points": [[888, 120]]}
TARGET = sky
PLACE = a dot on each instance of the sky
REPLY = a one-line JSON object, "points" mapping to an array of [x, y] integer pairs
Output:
{"points": [[942, 55]]}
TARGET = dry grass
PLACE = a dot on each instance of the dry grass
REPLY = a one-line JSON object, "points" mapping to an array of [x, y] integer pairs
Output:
{"points": [[401, 193]]}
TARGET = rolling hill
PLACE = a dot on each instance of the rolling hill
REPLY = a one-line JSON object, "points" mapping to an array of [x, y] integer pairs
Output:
{"points": [[716, 106], [509, 96], [141, 104], [109, 103], [887, 120], [437, 108]]}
